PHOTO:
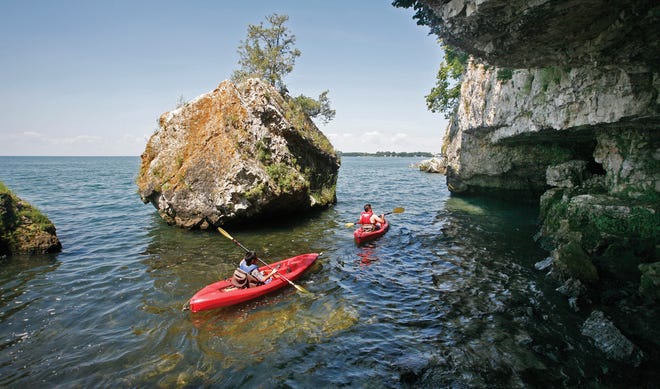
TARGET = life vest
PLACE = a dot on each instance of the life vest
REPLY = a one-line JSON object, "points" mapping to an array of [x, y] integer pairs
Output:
{"points": [[240, 279], [248, 269], [365, 217], [243, 277]]}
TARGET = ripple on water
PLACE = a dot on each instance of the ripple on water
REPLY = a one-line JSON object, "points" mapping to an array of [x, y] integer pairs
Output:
{"points": [[447, 298]]}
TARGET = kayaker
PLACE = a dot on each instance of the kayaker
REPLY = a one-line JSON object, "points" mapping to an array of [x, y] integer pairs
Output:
{"points": [[369, 220], [255, 277]]}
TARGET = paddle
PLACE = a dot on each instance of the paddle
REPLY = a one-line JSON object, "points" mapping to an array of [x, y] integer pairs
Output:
{"points": [[395, 210], [226, 234]]}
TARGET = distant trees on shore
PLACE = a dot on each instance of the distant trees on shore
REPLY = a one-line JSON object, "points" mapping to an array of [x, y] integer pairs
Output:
{"points": [[387, 154]]}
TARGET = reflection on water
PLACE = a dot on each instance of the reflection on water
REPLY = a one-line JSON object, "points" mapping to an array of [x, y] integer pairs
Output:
{"points": [[449, 297]]}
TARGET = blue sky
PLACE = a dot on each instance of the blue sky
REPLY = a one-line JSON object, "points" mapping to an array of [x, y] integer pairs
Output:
{"points": [[83, 77]]}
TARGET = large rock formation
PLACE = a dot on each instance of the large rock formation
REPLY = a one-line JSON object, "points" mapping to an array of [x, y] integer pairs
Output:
{"points": [[508, 131], [236, 154], [561, 102], [570, 111], [23, 229]]}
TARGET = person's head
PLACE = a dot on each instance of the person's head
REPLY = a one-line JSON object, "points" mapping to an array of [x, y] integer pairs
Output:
{"points": [[250, 256], [367, 207]]}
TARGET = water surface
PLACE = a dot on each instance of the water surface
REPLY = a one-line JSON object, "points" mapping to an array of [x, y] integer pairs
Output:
{"points": [[447, 298]]}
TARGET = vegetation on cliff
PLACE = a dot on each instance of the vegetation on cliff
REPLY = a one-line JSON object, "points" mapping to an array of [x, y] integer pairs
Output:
{"points": [[444, 96]]}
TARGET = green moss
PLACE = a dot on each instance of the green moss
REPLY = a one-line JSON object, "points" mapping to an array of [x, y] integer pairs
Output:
{"points": [[649, 283], [528, 84], [504, 74], [19, 221], [550, 75], [255, 192], [553, 209], [577, 262], [641, 223], [325, 195], [284, 176]]}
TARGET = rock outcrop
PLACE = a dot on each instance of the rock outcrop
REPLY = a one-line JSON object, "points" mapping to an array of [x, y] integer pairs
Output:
{"points": [[609, 340], [234, 155], [23, 229], [507, 132], [561, 102], [574, 33], [433, 165]]}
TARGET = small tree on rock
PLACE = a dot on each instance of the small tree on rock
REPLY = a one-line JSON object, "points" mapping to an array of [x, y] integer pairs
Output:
{"points": [[268, 53]]}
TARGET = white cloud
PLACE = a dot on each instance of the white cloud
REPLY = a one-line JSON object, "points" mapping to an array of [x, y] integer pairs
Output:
{"points": [[73, 140], [374, 141]]}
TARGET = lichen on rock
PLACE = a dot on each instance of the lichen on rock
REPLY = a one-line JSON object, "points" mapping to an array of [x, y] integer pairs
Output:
{"points": [[234, 155]]}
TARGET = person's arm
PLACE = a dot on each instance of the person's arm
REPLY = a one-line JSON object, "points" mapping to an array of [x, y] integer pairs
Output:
{"points": [[272, 273], [262, 278], [379, 219]]}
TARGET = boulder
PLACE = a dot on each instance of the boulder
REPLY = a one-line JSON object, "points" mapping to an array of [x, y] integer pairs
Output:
{"points": [[608, 339], [240, 153], [567, 175], [23, 229], [433, 165]]}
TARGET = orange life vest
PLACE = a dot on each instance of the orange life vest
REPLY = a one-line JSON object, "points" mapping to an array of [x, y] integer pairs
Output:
{"points": [[365, 217]]}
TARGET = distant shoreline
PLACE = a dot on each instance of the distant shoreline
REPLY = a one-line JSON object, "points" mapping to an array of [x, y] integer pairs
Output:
{"points": [[423, 154], [386, 154]]}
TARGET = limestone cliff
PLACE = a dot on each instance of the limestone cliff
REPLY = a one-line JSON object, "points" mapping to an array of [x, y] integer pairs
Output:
{"points": [[235, 155], [23, 229], [561, 103], [506, 132]]}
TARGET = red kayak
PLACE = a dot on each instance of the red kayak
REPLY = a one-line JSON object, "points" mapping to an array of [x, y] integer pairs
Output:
{"points": [[362, 236], [224, 293]]}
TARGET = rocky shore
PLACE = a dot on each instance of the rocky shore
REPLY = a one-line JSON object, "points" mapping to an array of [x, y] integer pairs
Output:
{"points": [[559, 104]]}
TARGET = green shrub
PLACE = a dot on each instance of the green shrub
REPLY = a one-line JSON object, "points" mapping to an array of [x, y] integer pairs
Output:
{"points": [[504, 74]]}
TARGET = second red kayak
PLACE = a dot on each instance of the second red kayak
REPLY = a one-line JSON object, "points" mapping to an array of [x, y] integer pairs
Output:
{"points": [[362, 236], [223, 293]]}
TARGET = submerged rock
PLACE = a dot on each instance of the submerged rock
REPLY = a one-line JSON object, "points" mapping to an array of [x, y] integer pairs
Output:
{"points": [[610, 340], [239, 153], [23, 229]]}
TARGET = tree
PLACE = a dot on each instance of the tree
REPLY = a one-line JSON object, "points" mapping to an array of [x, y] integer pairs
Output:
{"points": [[445, 94], [447, 90], [268, 52], [316, 108]]}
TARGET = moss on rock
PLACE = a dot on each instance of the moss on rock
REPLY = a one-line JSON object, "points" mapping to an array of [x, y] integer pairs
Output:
{"points": [[23, 228]]}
